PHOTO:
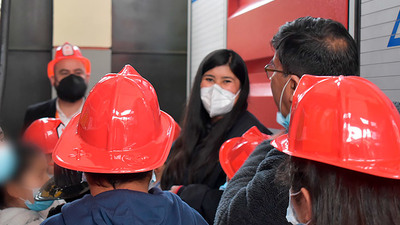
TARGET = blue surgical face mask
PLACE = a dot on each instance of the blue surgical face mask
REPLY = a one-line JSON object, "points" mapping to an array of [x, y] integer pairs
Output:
{"points": [[223, 187], [283, 121], [291, 216], [38, 205], [280, 119], [8, 162]]}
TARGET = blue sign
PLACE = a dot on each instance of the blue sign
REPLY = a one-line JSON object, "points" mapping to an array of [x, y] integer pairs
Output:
{"points": [[393, 41]]}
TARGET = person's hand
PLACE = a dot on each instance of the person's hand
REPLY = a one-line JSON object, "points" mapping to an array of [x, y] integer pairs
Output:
{"points": [[175, 189]]}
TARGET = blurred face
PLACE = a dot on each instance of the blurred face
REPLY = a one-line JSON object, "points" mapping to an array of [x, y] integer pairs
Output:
{"points": [[223, 76], [33, 178], [66, 67], [278, 82]]}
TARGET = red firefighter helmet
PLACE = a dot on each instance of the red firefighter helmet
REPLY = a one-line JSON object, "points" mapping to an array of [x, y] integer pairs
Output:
{"points": [[44, 133], [67, 51], [236, 150], [346, 122], [120, 130]]}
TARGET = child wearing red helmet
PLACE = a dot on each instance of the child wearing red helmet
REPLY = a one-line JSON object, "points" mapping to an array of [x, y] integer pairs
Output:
{"points": [[118, 141], [64, 184], [351, 173], [44, 133]]}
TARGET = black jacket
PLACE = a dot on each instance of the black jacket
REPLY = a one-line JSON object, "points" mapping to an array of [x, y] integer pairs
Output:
{"points": [[204, 196], [253, 196], [40, 110]]}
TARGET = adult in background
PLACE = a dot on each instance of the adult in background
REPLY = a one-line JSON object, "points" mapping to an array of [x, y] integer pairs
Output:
{"points": [[216, 112], [306, 45], [69, 74]]}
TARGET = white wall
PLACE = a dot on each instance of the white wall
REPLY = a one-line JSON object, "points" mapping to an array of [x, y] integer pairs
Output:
{"points": [[86, 24], [83, 23], [207, 31], [380, 63]]}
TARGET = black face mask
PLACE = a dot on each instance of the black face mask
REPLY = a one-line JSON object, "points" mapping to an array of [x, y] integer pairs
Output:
{"points": [[71, 88]]}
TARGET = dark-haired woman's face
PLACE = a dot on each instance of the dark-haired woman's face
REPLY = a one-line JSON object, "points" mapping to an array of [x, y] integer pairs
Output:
{"points": [[223, 76]]}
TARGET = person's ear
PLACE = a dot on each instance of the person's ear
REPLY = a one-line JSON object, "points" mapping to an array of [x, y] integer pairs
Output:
{"points": [[306, 206], [294, 81]]}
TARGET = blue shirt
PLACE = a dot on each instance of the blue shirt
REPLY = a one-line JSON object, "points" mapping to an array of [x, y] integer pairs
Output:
{"points": [[127, 207]]}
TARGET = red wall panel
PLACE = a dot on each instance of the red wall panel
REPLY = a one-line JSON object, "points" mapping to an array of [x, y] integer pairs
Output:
{"points": [[251, 26]]}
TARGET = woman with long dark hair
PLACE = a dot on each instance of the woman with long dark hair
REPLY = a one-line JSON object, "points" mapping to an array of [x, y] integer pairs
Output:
{"points": [[216, 112]]}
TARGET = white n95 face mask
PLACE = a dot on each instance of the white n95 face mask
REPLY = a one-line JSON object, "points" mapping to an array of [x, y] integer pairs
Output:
{"points": [[217, 101]]}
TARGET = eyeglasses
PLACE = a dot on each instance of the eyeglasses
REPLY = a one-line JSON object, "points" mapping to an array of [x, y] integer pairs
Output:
{"points": [[270, 71]]}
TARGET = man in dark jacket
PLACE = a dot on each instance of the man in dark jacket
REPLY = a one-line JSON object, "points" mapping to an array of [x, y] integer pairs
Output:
{"points": [[69, 74], [304, 46]]}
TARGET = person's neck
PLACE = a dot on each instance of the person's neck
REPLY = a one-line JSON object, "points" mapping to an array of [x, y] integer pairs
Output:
{"points": [[133, 186], [69, 108], [17, 203]]}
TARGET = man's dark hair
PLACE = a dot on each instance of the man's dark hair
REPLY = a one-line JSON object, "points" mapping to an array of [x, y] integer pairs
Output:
{"points": [[341, 196], [316, 46], [109, 179]]}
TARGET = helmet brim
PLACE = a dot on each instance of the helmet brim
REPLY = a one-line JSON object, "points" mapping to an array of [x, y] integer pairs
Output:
{"points": [[52, 63], [50, 191], [74, 153]]}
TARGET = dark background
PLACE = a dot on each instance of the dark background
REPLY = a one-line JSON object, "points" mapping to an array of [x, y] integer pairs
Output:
{"points": [[27, 54], [150, 35]]}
